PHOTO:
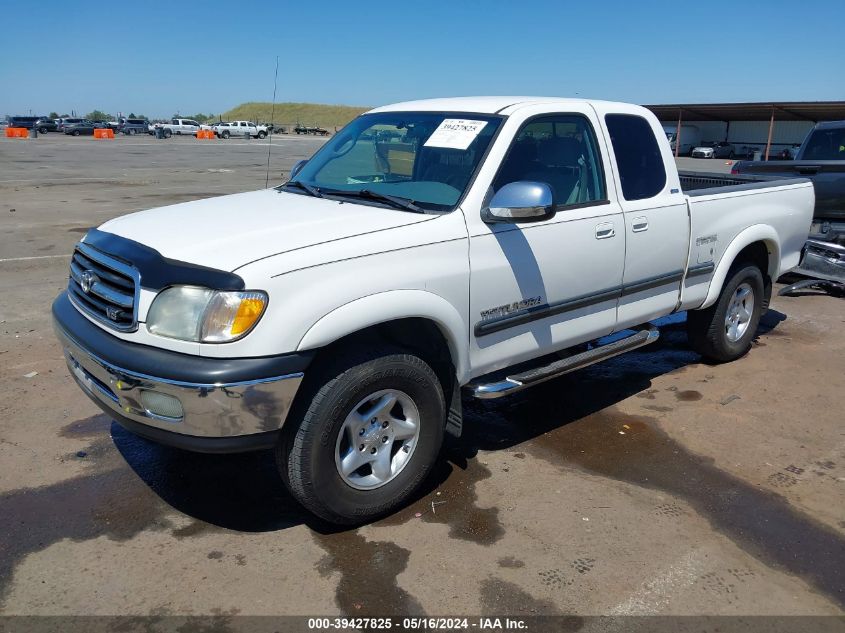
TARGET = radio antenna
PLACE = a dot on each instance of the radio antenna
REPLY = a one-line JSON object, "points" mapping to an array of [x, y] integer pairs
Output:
{"points": [[272, 124]]}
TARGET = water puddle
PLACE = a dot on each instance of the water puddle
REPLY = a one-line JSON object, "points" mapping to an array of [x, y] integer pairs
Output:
{"points": [[368, 570], [454, 502]]}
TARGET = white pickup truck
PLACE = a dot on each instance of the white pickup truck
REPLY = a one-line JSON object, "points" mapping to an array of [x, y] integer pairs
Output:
{"points": [[476, 245], [239, 129], [179, 127]]}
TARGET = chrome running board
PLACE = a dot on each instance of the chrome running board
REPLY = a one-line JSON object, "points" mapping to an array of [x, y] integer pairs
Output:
{"points": [[531, 377]]}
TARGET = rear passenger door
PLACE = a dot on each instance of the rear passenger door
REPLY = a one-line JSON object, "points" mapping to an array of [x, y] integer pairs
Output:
{"points": [[656, 220]]}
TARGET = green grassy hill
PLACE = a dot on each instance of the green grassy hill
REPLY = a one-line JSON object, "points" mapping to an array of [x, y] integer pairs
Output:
{"points": [[327, 116]]}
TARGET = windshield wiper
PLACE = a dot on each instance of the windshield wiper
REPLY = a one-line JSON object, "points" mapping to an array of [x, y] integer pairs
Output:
{"points": [[309, 189], [396, 201]]}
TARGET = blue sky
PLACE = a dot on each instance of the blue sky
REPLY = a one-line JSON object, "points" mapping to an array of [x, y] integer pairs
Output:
{"points": [[112, 57]]}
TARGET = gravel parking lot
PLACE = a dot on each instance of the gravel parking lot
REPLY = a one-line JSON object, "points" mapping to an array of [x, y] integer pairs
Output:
{"points": [[651, 484]]}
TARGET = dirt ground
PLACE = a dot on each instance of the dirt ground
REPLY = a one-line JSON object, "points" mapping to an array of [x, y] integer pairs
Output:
{"points": [[651, 484]]}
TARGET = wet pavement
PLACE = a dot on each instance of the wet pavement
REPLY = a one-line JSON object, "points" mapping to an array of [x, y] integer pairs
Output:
{"points": [[651, 484]]}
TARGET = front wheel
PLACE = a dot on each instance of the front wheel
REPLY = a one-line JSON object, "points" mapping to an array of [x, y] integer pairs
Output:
{"points": [[370, 430], [723, 332], [225, 134], [76, 132], [168, 134], [43, 130]]}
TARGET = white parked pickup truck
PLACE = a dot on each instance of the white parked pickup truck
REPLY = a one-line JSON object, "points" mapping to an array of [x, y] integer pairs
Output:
{"points": [[178, 127], [476, 245], [241, 129]]}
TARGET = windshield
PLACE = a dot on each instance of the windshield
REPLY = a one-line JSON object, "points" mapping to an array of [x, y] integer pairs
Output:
{"points": [[428, 158], [825, 145]]}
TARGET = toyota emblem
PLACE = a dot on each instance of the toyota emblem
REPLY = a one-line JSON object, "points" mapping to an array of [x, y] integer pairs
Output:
{"points": [[86, 280]]}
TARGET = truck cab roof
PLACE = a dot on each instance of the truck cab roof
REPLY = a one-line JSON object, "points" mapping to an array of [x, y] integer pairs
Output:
{"points": [[483, 105]]}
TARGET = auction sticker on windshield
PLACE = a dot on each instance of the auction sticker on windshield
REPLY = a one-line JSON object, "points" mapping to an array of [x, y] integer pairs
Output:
{"points": [[455, 133]]}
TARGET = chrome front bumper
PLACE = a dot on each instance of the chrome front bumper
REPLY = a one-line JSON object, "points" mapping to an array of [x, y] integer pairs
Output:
{"points": [[232, 410]]}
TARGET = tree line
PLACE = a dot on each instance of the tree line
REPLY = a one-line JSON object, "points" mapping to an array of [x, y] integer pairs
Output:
{"points": [[99, 115]]}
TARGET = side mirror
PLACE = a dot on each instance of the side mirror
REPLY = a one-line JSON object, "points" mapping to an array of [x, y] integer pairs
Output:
{"points": [[297, 168], [521, 201]]}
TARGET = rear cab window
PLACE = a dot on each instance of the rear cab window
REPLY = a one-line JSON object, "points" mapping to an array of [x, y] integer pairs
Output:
{"points": [[638, 158], [825, 144]]}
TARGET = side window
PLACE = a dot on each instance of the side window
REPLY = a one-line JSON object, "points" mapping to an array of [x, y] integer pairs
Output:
{"points": [[561, 151], [638, 157], [175, 122]]}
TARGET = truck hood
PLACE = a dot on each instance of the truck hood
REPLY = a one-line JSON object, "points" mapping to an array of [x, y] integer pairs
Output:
{"points": [[230, 231]]}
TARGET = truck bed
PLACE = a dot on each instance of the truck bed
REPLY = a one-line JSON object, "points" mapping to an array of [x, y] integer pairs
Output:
{"points": [[696, 183], [828, 178]]}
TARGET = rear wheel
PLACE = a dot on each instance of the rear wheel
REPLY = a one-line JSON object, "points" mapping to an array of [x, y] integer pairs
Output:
{"points": [[370, 430], [43, 130], [76, 132], [262, 134], [723, 332]]}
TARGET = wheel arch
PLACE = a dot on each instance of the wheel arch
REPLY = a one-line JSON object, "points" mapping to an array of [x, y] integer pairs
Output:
{"points": [[412, 317], [758, 244]]}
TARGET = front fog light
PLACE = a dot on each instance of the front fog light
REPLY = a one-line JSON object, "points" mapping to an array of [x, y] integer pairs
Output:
{"points": [[162, 405]]}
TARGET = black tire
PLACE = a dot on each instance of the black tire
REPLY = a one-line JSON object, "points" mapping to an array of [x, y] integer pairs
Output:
{"points": [[76, 132], [225, 134], [168, 134], [43, 130], [262, 134], [706, 329], [306, 453]]}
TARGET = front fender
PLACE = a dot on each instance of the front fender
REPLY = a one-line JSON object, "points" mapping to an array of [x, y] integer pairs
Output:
{"points": [[755, 233], [390, 306]]}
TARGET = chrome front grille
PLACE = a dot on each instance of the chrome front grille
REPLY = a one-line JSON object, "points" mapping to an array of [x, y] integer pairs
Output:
{"points": [[104, 288]]}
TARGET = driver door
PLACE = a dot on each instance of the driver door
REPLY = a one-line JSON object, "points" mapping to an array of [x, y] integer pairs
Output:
{"points": [[543, 286]]}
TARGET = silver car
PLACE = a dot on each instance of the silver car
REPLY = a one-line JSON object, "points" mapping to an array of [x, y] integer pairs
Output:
{"points": [[714, 149]]}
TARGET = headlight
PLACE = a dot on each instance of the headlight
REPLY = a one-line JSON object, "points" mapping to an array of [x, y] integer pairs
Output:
{"points": [[203, 315]]}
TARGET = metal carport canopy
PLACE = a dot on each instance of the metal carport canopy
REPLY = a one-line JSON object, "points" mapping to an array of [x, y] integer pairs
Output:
{"points": [[759, 111]]}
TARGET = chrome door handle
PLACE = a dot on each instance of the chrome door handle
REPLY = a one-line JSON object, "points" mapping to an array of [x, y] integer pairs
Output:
{"points": [[640, 224], [604, 230]]}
